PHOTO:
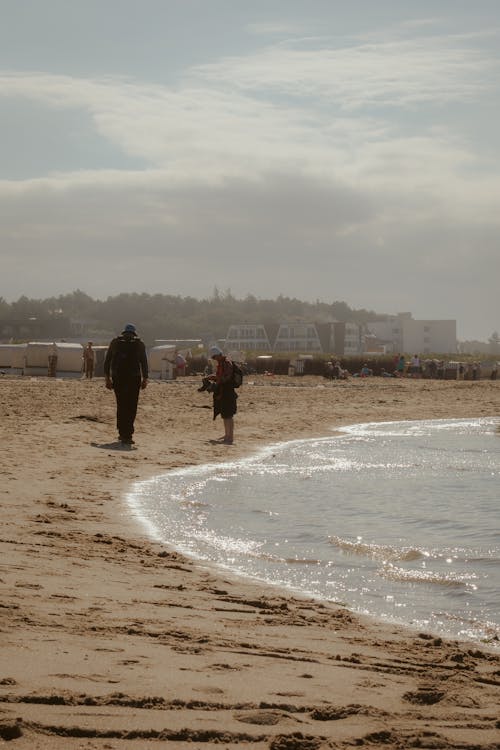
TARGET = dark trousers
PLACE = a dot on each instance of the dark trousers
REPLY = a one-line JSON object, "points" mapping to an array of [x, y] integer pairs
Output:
{"points": [[127, 398]]}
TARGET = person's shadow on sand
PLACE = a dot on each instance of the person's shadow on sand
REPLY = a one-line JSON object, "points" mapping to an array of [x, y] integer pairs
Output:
{"points": [[115, 446]]}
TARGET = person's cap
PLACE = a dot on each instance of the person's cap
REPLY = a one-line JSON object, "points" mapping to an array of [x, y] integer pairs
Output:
{"points": [[214, 351], [130, 328]]}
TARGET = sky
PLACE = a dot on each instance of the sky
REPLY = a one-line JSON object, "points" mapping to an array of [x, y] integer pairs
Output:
{"points": [[318, 149]]}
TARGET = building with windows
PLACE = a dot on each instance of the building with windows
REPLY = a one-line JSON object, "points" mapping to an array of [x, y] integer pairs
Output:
{"points": [[248, 337], [405, 334], [354, 340], [297, 336]]}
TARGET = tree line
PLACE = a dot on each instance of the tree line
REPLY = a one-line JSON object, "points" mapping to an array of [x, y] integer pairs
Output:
{"points": [[170, 316]]}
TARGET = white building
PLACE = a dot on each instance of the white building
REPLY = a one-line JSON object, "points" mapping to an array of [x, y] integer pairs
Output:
{"points": [[416, 336], [298, 337], [247, 337], [353, 339]]}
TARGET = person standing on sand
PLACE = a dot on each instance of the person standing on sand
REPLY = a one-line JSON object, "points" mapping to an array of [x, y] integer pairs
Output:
{"points": [[415, 366], [88, 361], [126, 372], [224, 395], [180, 364]]}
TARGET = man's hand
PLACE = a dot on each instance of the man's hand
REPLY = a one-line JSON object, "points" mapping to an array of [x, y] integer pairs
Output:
{"points": [[144, 383], [109, 384]]}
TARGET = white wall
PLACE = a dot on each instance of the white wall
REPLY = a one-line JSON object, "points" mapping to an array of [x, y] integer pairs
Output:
{"points": [[430, 336], [417, 336]]}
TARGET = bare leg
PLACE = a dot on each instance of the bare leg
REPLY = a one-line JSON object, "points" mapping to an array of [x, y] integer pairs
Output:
{"points": [[229, 430]]}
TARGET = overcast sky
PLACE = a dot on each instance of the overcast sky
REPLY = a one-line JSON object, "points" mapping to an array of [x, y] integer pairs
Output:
{"points": [[320, 149]]}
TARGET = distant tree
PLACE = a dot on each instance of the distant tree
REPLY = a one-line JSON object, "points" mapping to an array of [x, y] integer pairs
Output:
{"points": [[4, 309], [341, 311], [494, 342], [169, 316], [26, 308], [473, 347]]}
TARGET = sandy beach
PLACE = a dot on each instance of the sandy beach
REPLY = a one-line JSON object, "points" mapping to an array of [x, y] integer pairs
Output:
{"points": [[111, 640]]}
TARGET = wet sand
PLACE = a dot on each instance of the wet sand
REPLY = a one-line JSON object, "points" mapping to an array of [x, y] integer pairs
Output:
{"points": [[111, 640]]}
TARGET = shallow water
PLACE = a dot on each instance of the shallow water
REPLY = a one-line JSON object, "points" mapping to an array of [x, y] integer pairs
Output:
{"points": [[399, 520]]}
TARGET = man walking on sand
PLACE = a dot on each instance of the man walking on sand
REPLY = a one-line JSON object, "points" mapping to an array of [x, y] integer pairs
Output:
{"points": [[126, 372], [88, 361]]}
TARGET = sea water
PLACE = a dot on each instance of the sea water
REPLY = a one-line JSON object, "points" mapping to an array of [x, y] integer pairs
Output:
{"points": [[399, 520]]}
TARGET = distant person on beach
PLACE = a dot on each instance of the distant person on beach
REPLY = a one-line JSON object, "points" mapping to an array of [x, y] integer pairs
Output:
{"points": [[88, 361], [415, 371], [328, 373], [180, 364], [400, 366], [432, 368], [338, 372], [333, 371], [224, 396], [126, 372]]}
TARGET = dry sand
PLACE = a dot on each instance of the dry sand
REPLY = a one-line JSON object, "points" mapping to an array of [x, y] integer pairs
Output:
{"points": [[110, 640]]}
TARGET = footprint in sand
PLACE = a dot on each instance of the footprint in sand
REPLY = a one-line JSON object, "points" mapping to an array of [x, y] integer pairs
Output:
{"points": [[262, 718]]}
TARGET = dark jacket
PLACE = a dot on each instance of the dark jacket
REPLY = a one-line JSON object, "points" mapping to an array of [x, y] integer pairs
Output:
{"points": [[126, 358]]}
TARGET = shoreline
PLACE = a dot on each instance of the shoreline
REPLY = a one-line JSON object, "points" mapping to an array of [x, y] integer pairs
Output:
{"points": [[489, 643], [113, 640]]}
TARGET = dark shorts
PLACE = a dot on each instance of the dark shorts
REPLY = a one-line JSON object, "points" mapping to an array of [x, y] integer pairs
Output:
{"points": [[225, 402]]}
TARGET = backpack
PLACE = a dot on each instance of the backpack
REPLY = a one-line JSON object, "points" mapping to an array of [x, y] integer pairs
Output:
{"points": [[237, 375], [125, 358]]}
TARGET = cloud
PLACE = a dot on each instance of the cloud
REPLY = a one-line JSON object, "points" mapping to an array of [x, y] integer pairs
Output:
{"points": [[276, 28], [301, 101], [313, 103], [299, 236], [207, 136], [394, 73], [281, 215], [306, 168]]}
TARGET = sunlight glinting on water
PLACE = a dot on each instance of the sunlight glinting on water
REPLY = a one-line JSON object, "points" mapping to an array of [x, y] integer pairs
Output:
{"points": [[397, 520]]}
